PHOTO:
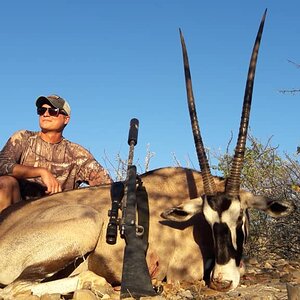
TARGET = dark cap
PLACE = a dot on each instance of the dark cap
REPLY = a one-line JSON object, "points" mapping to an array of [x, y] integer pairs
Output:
{"points": [[55, 101]]}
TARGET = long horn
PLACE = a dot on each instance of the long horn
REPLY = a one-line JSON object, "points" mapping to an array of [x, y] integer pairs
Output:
{"points": [[233, 182], [209, 184]]}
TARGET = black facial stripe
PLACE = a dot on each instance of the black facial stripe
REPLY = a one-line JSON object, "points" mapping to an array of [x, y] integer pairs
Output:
{"points": [[240, 239], [224, 249], [219, 203]]}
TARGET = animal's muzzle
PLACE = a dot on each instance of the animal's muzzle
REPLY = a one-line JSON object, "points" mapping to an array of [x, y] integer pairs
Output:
{"points": [[222, 286]]}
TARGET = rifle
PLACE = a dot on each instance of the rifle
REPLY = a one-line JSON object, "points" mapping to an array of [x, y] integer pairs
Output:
{"points": [[136, 281]]}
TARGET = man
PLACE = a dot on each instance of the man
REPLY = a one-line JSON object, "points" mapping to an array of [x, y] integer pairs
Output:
{"points": [[35, 164]]}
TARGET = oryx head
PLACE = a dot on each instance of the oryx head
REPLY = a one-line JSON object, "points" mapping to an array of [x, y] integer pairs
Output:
{"points": [[226, 211]]}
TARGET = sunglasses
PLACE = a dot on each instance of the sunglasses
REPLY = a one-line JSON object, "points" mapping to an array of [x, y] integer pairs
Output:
{"points": [[53, 112]]}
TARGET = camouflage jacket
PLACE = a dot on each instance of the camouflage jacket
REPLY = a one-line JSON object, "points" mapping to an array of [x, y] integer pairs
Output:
{"points": [[67, 161]]}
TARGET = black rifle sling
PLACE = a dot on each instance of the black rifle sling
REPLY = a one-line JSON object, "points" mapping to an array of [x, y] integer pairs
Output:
{"points": [[143, 213]]}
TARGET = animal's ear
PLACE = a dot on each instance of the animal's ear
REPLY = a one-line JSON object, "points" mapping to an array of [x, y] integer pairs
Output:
{"points": [[274, 208], [184, 211]]}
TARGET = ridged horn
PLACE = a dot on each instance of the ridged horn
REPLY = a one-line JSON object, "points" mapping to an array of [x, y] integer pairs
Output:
{"points": [[209, 184], [234, 180]]}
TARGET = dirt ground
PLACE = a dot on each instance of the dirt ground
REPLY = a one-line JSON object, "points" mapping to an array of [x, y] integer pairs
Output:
{"points": [[263, 280]]}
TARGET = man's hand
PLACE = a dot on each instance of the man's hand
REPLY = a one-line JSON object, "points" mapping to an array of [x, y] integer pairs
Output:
{"points": [[53, 186]]}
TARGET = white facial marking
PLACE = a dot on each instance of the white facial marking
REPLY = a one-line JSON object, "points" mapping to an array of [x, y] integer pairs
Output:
{"points": [[228, 272], [211, 215], [230, 217]]}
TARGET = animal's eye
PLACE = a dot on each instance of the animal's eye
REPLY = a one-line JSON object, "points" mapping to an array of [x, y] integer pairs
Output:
{"points": [[277, 207]]}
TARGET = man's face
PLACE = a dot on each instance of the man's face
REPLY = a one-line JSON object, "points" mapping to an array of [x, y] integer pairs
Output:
{"points": [[55, 122]]}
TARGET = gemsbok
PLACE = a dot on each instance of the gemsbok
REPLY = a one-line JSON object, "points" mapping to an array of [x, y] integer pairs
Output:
{"points": [[198, 222]]}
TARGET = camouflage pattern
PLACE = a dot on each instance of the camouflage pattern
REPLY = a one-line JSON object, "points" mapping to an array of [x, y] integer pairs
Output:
{"points": [[69, 162]]}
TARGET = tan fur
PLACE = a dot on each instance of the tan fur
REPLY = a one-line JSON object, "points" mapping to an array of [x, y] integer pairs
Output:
{"points": [[47, 234]]}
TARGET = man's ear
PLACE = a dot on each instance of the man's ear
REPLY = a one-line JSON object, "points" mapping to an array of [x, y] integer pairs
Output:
{"points": [[184, 211], [67, 119]]}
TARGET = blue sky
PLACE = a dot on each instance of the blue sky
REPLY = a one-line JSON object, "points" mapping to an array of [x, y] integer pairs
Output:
{"points": [[115, 60]]}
